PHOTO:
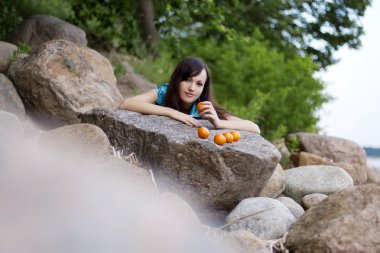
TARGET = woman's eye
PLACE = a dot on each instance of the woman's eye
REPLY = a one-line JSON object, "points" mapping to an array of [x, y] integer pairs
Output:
{"points": [[200, 84]]}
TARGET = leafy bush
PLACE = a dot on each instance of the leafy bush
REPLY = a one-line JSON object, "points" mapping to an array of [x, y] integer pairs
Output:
{"points": [[109, 24], [58, 8], [8, 18], [157, 69], [12, 12]]}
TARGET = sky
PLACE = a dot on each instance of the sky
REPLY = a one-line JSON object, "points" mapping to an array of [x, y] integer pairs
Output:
{"points": [[354, 82]]}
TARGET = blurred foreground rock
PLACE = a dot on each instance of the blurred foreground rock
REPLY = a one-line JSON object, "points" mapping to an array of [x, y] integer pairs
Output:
{"points": [[78, 139], [242, 241]]}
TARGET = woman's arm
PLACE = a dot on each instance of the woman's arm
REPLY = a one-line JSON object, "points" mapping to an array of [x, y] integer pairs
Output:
{"points": [[145, 104], [231, 122], [236, 123]]}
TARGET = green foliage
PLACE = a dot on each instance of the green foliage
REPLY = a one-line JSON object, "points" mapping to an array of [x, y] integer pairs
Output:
{"points": [[59, 8], [119, 70], [109, 24], [293, 144], [316, 28], [8, 18], [12, 12], [23, 48], [157, 69]]}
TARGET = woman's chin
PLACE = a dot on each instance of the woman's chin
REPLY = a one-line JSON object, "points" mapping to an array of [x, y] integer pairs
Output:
{"points": [[188, 100]]}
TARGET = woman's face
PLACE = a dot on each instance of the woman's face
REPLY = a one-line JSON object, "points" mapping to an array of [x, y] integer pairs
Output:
{"points": [[191, 89]]}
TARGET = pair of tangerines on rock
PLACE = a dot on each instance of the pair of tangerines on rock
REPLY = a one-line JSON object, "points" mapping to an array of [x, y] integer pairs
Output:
{"points": [[219, 139]]}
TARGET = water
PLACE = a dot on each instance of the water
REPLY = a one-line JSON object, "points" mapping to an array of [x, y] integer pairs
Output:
{"points": [[373, 161]]}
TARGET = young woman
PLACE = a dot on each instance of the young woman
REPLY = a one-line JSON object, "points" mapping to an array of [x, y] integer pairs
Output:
{"points": [[190, 83]]}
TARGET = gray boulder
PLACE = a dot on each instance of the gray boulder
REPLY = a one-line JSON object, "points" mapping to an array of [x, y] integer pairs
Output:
{"points": [[305, 180], [9, 98], [61, 79], [275, 185], [312, 200], [373, 174], [311, 159], [285, 153], [213, 179], [264, 217], [37, 29], [6, 50], [336, 150], [129, 83], [295, 208], [348, 221]]}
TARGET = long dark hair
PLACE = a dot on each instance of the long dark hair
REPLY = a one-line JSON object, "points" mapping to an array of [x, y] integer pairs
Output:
{"points": [[190, 67]]}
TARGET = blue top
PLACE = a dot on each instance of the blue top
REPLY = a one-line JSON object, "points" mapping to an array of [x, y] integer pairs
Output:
{"points": [[161, 92]]}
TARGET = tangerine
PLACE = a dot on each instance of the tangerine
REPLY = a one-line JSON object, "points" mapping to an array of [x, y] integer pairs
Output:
{"points": [[229, 137], [199, 105], [236, 135], [203, 132], [219, 139]]}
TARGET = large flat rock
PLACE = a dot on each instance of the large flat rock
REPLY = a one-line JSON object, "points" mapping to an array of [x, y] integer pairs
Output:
{"points": [[212, 178]]}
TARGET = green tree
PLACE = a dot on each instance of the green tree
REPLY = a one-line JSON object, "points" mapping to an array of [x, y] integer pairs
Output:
{"points": [[316, 28], [12, 12], [8, 17], [109, 24]]}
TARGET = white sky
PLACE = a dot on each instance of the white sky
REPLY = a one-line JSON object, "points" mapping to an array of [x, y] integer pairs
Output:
{"points": [[354, 82]]}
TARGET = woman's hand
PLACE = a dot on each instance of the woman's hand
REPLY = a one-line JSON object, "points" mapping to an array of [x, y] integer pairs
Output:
{"points": [[183, 117], [209, 113]]}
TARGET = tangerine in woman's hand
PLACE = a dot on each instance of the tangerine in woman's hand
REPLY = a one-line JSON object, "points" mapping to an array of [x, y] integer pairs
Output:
{"points": [[199, 105], [219, 139], [236, 135], [203, 132]]}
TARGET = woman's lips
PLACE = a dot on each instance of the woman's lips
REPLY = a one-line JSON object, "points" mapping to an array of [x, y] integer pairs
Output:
{"points": [[189, 94]]}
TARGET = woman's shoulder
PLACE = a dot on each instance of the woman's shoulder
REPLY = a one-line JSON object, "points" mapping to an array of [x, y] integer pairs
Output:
{"points": [[161, 92], [163, 88]]}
